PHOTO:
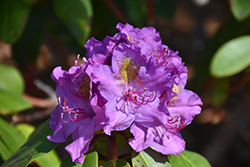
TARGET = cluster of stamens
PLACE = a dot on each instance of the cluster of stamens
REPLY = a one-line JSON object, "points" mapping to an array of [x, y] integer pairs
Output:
{"points": [[139, 98], [73, 115], [174, 124], [77, 61], [162, 58]]}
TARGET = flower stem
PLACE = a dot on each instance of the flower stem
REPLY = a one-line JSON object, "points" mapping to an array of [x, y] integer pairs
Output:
{"points": [[111, 143]]}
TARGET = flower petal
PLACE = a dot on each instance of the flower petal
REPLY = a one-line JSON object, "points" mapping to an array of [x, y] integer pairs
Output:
{"points": [[81, 140], [60, 129], [143, 138]]}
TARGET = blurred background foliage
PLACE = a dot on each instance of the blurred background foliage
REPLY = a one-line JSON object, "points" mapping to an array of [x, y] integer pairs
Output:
{"points": [[212, 37]]}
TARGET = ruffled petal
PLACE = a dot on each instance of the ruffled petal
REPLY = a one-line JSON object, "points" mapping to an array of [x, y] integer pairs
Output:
{"points": [[143, 137], [167, 142], [187, 105], [81, 140]]}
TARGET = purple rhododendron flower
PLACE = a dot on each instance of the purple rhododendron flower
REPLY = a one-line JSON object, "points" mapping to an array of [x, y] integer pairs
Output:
{"points": [[129, 80], [182, 105], [127, 88], [77, 112]]}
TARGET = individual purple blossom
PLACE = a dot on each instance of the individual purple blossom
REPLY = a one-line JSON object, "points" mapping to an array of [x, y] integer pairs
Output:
{"points": [[147, 39], [78, 111]]}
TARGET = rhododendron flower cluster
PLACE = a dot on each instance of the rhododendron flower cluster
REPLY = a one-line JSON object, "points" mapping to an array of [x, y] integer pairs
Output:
{"points": [[130, 80]]}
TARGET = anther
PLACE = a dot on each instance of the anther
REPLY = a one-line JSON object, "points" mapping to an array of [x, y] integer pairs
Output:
{"points": [[140, 98]]}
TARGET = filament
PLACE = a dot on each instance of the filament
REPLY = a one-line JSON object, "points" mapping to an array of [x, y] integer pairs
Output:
{"points": [[140, 98], [174, 125], [72, 115], [162, 58]]}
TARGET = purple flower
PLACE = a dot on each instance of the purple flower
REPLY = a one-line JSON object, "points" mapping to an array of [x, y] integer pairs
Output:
{"points": [[129, 88], [130, 80], [78, 111], [182, 105]]}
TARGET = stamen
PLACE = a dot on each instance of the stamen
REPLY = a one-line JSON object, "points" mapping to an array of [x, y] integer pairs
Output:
{"points": [[73, 115], [162, 58], [174, 125], [77, 60], [140, 98], [84, 59]]}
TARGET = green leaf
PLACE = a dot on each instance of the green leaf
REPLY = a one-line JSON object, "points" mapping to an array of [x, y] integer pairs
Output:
{"points": [[10, 79], [36, 146], [49, 160], [231, 58], [11, 87], [5, 152], [10, 139], [149, 158], [229, 30], [118, 163], [90, 160], [188, 159], [240, 9], [25, 129], [76, 15], [122, 163], [12, 18], [12, 103]]}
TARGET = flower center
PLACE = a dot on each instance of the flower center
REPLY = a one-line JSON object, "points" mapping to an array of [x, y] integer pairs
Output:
{"points": [[83, 86], [139, 98], [69, 115], [128, 70]]}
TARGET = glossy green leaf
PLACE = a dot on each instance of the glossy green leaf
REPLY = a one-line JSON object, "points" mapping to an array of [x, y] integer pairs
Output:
{"points": [[188, 159], [10, 79], [25, 129], [36, 146], [11, 87], [10, 139], [12, 103], [12, 18], [149, 158], [50, 159], [229, 30], [240, 9], [118, 163], [231, 58], [76, 15], [90, 160], [5, 152]]}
